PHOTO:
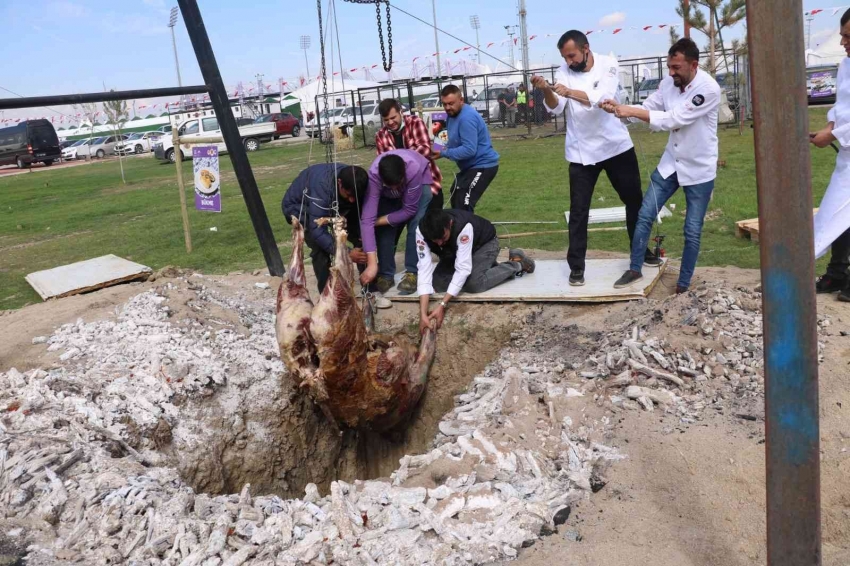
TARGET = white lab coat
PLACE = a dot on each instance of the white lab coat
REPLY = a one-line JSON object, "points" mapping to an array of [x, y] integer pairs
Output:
{"points": [[833, 217]]}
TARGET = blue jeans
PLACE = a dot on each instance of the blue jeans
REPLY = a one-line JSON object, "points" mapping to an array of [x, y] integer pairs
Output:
{"points": [[660, 190], [386, 237]]}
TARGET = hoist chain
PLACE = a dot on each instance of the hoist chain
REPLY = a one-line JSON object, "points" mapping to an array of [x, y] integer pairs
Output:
{"points": [[387, 65], [324, 75]]}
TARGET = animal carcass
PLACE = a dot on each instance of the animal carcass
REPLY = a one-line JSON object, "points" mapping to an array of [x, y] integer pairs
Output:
{"points": [[358, 378]]}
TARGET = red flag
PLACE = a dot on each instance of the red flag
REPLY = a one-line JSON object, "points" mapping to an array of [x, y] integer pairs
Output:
{"points": [[618, 30], [588, 32], [467, 48], [532, 37], [414, 59], [646, 28], [141, 106], [373, 66], [489, 45], [662, 26], [515, 40], [352, 70], [457, 51], [816, 11]]}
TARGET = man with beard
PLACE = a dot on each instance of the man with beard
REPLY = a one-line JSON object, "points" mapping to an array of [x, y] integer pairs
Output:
{"points": [[469, 146], [596, 141], [686, 104]]}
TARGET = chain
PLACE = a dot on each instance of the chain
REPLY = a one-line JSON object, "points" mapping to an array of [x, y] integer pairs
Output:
{"points": [[387, 65], [328, 148]]}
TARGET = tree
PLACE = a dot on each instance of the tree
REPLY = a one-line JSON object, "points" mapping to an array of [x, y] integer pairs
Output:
{"points": [[117, 114], [720, 15], [89, 111], [674, 35]]}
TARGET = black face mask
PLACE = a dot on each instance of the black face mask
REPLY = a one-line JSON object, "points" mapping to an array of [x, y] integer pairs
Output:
{"points": [[580, 67]]}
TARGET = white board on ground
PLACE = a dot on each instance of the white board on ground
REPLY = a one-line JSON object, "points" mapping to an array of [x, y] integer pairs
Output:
{"points": [[550, 283], [85, 276], [614, 214]]}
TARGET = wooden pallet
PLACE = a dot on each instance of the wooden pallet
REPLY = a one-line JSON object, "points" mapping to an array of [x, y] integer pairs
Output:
{"points": [[750, 228]]}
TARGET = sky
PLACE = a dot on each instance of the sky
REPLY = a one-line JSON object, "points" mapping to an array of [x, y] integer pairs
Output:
{"points": [[72, 46]]}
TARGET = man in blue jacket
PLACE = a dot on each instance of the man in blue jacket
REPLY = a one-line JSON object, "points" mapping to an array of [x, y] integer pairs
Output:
{"points": [[469, 146], [313, 195]]}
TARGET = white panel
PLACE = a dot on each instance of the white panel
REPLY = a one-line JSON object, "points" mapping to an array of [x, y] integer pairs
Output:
{"points": [[85, 276]]}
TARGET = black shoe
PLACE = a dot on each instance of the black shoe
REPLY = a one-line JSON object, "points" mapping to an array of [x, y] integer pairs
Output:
{"points": [[651, 259], [577, 277], [680, 289], [844, 295], [629, 278], [830, 284]]}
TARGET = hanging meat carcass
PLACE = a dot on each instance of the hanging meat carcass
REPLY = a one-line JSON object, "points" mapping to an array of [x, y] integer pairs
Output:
{"points": [[359, 378]]}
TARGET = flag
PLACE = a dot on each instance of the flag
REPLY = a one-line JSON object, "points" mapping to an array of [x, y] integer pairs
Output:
{"points": [[662, 26], [532, 37], [489, 45], [646, 28], [618, 30], [588, 32], [816, 11]]}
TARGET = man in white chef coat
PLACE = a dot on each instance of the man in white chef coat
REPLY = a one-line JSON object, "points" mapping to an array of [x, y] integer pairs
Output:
{"points": [[833, 218], [686, 105], [595, 141]]}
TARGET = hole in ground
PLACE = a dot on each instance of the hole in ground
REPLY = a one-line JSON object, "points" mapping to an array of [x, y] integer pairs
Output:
{"points": [[269, 435]]}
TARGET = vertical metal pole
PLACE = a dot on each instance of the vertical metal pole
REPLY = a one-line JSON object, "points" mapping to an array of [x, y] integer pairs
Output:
{"points": [[176, 61], [783, 174], [178, 161], [436, 38], [478, 46], [230, 133]]}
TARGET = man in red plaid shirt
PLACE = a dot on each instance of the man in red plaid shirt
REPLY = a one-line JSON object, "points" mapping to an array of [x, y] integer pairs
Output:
{"points": [[408, 132]]}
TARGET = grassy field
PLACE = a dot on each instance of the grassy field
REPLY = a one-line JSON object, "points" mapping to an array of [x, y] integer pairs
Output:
{"points": [[56, 217]]}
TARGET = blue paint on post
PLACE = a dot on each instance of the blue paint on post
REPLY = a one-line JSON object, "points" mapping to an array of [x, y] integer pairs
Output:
{"points": [[795, 415]]}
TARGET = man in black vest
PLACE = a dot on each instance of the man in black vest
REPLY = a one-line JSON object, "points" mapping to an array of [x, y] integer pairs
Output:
{"points": [[468, 249]]}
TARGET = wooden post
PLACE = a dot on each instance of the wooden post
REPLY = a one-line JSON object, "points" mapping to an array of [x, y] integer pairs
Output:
{"points": [[783, 177], [178, 161]]}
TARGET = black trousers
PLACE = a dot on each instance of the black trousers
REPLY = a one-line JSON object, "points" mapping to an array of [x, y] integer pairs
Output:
{"points": [[469, 186], [624, 173], [839, 261], [486, 271]]}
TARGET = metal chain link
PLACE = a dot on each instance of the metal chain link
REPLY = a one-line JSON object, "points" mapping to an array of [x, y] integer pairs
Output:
{"points": [[328, 147], [387, 66]]}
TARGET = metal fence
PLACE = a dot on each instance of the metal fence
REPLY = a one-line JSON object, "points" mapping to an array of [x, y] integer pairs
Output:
{"points": [[355, 112]]}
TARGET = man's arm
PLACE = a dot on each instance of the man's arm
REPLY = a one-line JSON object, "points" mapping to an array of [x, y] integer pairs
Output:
{"points": [[463, 267], [468, 143], [420, 142], [382, 144], [424, 280], [555, 103]]}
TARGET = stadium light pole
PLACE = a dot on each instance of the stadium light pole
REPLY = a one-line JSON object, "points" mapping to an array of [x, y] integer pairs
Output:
{"points": [[172, 21], [305, 45], [476, 25]]}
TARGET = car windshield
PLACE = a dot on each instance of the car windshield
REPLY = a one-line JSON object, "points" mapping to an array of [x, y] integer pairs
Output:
{"points": [[649, 84], [78, 143], [263, 118], [134, 137], [97, 141], [368, 109]]}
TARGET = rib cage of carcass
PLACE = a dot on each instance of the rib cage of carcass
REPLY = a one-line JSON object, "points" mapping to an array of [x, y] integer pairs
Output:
{"points": [[359, 378]]}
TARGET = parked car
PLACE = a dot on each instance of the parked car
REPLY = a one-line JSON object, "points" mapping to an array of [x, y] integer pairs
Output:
{"points": [[70, 152], [139, 142], [165, 129], [252, 135], [28, 142], [244, 121], [100, 147], [727, 83], [487, 101], [821, 84], [286, 123], [311, 128], [624, 94], [67, 143], [646, 88], [432, 102]]}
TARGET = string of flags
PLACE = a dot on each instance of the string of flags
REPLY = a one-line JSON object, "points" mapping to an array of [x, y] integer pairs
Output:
{"points": [[834, 9]]}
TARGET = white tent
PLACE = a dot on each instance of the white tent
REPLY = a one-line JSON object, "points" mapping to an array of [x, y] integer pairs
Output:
{"points": [[829, 52], [309, 93]]}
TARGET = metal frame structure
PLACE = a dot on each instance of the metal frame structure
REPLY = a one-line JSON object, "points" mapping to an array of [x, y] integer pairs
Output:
{"points": [[214, 87], [783, 175]]}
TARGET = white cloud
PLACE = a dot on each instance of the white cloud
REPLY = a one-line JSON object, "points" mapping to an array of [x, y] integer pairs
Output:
{"points": [[613, 19]]}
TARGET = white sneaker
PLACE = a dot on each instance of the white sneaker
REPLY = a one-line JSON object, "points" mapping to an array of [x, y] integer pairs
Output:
{"points": [[382, 302]]}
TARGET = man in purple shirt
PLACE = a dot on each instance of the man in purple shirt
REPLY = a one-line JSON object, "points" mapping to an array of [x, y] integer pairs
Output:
{"points": [[398, 195]]}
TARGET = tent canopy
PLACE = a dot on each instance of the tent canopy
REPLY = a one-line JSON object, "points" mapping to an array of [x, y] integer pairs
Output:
{"points": [[308, 93], [829, 52]]}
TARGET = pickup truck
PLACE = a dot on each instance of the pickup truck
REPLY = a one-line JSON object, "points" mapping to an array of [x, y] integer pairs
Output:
{"points": [[252, 135]]}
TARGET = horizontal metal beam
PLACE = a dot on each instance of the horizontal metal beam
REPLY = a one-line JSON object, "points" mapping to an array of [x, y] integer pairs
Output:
{"points": [[70, 99]]}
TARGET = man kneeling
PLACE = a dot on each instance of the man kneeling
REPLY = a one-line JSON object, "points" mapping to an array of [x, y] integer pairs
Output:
{"points": [[467, 247]]}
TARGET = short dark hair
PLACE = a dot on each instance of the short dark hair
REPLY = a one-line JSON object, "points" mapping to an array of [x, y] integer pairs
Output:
{"points": [[575, 36], [355, 180], [449, 89], [686, 47], [391, 170], [388, 104], [433, 225], [845, 18]]}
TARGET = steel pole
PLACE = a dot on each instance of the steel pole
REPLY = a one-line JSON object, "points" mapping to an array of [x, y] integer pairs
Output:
{"points": [[71, 99], [783, 175], [230, 133], [436, 38]]}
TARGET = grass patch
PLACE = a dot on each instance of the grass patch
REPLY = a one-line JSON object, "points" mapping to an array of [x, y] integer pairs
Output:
{"points": [[61, 216]]}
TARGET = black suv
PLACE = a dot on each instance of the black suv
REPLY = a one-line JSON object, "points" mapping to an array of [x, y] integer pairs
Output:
{"points": [[31, 141]]}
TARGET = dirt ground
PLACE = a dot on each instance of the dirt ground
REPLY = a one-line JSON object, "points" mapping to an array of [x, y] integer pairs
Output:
{"points": [[684, 495]]}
